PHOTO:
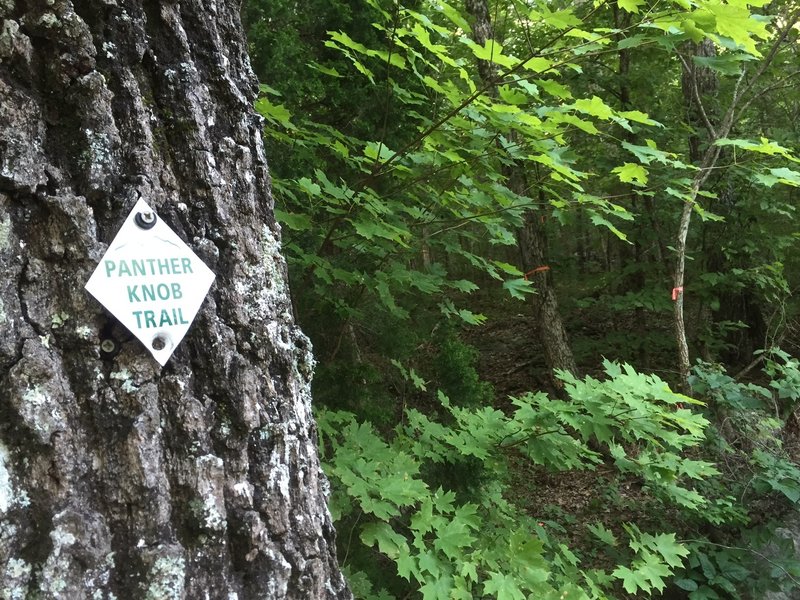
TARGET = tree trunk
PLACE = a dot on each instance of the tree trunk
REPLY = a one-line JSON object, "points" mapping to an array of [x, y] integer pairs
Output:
{"points": [[119, 478], [695, 81], [698, 85], [531, 239], [481, 33], [555, 342]]}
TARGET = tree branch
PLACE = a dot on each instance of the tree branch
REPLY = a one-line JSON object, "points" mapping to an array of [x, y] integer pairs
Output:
{"points": [[696, 93]]}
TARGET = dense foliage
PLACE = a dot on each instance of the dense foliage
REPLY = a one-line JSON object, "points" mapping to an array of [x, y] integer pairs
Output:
{"points": [[438, 165]]}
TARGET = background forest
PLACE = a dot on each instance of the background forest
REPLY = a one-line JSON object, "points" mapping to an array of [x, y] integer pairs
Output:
{"points": [[546, 252]]}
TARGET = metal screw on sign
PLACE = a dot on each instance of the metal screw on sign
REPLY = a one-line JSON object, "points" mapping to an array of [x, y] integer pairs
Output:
{"points": [[159, 343], [145, 219], [108, 346]]}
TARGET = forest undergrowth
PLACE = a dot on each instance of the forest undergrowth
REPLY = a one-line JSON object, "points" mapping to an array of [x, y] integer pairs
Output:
{"points": [[570, 504], [546, 253], [618, 507]]}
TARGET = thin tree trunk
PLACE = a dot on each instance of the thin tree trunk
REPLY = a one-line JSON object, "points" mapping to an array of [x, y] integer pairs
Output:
{"points": [[662, 252], [580, 242], [692, 85], [684, 364], [119, 478], [481, 33], [531, 239], [698, 85], [555, 341]]}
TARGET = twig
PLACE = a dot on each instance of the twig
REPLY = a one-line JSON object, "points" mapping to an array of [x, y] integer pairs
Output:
{"points": [[749, 367], [696, 93]]}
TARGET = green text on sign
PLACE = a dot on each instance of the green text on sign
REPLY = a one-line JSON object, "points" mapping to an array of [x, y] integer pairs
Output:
{"points": [[147, 266]]}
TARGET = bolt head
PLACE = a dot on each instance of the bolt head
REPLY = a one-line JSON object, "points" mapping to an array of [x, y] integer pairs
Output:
{"points": [[145, 219]]}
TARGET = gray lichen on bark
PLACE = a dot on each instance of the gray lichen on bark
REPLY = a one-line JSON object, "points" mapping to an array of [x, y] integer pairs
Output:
{"points": [[119, 479]]}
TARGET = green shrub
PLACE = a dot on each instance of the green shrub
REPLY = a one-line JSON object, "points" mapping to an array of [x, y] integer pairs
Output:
{"points": [[390, 494], [454, 370]]}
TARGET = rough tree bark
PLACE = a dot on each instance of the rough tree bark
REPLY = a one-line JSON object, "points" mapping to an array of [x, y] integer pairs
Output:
{"points": [[552, 333], [120, 479]]}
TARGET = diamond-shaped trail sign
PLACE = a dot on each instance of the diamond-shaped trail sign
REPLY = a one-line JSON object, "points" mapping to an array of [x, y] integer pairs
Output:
{"points": [[151, 281]]}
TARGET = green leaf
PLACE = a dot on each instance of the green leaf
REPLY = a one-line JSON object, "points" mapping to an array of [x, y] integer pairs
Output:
{"points": [[631, 6], [470, 317], [554, 88], [603, 534], [295, 221], [503, 586], [452, 537], [491, 51], [452, 14], [672, 551], [418, 382], [559, 19], [689, 585], [399, 366], [786, 176], [705, 214], [631, 580], [735, 21], [519, 288], [388, 300], [512, 95], [507, 268], [691, 29], [265, 89], [537, 64], [389, 541], [377, 151], [586, 126], [763, 146], [430, 563], [463, 285], [274, 113], [437, 589], [639, 117], [631, 173], [600, 220], [649, 153], [634, 41], [374, 228], [309, 187], [727, 64], [342, 39], [406, 564], [654, 571], [594, 107], [325, 70]]}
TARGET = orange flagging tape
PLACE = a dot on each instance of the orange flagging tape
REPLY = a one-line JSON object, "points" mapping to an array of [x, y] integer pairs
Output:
{"points": [[536, 270]]}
